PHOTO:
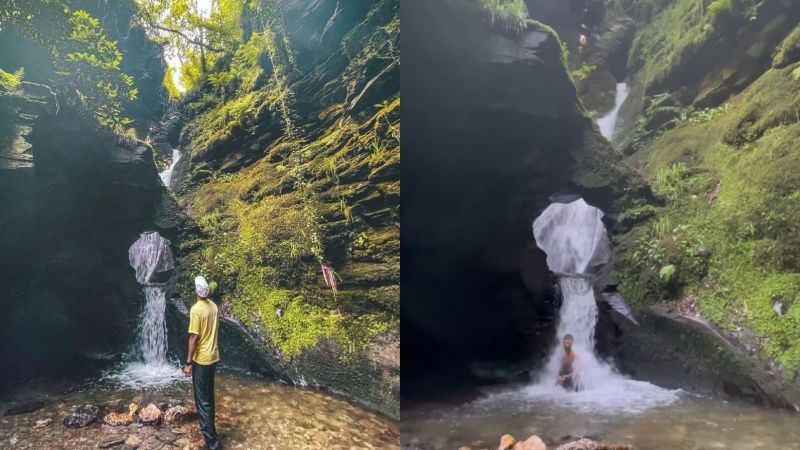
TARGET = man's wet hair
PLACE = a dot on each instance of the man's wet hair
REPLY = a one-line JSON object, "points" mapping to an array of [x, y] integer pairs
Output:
{"points": [[568, 336]]}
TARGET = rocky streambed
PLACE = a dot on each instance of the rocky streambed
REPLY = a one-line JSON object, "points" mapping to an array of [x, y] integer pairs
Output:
{"points": [[251, 413]]}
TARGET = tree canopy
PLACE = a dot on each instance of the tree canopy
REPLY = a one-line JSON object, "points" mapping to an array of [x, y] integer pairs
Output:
{"points": [[86, 61]]}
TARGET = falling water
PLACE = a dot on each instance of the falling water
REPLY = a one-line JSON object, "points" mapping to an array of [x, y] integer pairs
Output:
{"points": [[608, 122], [151, 258], [575, 241], [166, 174]]}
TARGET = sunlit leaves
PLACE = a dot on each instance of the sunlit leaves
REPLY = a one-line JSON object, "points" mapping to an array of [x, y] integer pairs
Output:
{"points": [[86, 61], [10, 81]]}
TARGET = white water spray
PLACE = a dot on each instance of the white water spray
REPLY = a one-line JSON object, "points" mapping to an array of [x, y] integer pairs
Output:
{"points": [[608, 122], [150, 256]]}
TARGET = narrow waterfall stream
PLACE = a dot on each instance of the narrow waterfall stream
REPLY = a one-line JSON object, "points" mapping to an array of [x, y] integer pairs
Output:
{"points": [[166, 174], [608, 122]]}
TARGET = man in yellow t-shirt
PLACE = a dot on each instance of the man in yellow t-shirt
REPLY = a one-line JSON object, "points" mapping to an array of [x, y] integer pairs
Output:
{"points": [[201, 362]]}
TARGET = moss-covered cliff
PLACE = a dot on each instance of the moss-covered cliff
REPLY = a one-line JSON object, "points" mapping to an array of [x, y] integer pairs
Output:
{"points": [[712, 125], [291, 150]]}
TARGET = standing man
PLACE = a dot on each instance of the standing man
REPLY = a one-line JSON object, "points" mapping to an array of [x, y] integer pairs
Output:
{"points": [[201, 362]]}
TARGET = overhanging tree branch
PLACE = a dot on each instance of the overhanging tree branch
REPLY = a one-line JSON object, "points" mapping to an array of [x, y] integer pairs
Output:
{"points": [[154, 24]]}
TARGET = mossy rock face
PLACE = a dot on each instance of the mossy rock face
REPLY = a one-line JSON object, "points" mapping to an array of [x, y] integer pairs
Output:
{"points": [[280, 184], [725, 222], [788, 51]]}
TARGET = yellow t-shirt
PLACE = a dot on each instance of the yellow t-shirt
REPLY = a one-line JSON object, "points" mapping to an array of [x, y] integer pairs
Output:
{"points": [[203, 321]]}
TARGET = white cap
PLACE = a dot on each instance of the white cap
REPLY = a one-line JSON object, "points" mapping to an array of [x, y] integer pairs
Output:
{"points": [[201, 286]]}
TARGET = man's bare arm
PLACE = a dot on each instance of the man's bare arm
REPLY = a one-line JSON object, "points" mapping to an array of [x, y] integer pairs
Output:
{"points": [[187, 369], [192, 346]]}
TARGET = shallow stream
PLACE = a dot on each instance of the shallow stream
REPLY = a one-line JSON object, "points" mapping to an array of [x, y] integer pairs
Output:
{"points": [[251, 414], [686, 422]]}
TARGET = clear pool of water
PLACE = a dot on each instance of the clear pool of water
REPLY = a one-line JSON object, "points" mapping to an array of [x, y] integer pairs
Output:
{"points": [[683, 422]]}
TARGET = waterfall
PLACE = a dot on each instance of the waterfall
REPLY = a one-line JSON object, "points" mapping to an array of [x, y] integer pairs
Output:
{"points": [[166, 174], [152, 334], [150, 254], [575, 241], [151, 258], [608, 122]]}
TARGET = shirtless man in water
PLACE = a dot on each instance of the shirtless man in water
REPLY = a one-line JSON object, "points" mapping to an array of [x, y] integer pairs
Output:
{"points": [[567, 374]]}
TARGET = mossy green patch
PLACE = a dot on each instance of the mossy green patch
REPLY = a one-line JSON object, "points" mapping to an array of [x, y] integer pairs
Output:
{"points": [[729, 218], [788, 52]]}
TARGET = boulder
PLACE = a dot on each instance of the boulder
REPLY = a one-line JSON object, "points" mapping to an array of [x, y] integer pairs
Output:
{"points": [[177, 414], [117, 419], [82, 416], [507, 442], [532, 443], [150, 415]]}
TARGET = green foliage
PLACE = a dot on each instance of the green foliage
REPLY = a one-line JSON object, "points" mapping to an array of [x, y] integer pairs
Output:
{"points": [[668, 182], [168, 84], [10, 81], [91, 63], [667, 38], [788, 52], [702, 115], [720, 6], [86, 61], [564, 53], [666, 273], [511, 14], [583, 72], [748, 230], [796, 74]]}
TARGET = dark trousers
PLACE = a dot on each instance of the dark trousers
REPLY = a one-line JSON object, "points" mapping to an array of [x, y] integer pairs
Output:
{"points": [[203, 383]]}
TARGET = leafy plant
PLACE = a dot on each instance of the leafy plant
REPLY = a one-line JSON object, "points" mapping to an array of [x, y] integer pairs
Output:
{"points": [[583, 72], [378, 153], [347, 212], [667, 272], [718, 6], [668, 182]]}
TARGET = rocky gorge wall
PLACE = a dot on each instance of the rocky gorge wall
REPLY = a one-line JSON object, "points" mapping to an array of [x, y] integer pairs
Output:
{"points": [[708, 258], [302, 168], [496, 130]]}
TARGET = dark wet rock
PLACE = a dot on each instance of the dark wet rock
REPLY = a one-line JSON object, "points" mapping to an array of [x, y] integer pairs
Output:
{"points": [[150, 415], [24, 408], [82, 416], [677, 351], [166, 437], [111, 443]]}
